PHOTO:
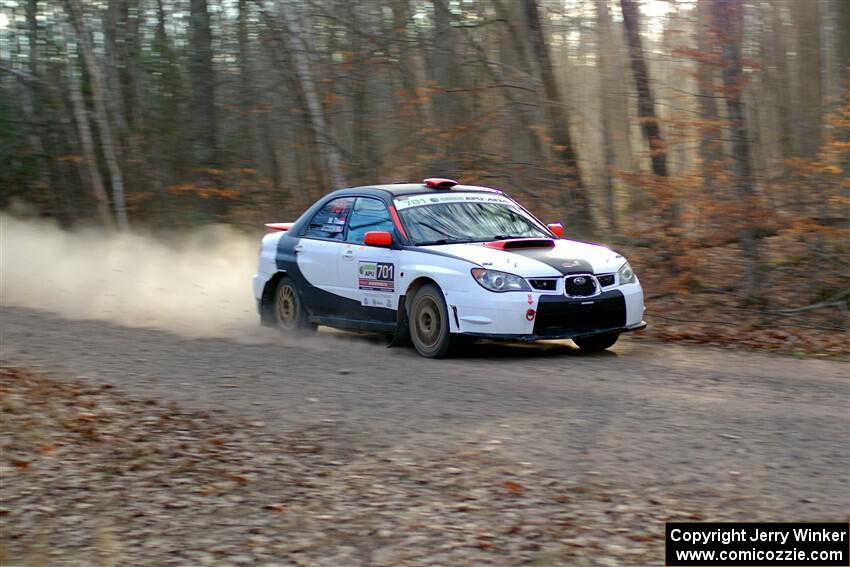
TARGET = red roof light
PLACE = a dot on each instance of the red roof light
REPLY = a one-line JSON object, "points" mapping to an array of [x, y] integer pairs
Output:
{"points": [[440, 183]]}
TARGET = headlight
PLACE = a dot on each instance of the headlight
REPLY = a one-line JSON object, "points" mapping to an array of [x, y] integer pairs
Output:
{"points": [[626, 274], [499, 281]]}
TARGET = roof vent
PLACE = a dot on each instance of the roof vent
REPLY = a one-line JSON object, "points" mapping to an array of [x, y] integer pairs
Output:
{"points": [[439, 183]]}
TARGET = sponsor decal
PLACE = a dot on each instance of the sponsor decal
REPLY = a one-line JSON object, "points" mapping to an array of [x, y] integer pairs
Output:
{"points": [[530, 299], [332, 228], [571, 264], [420, 200], [376, 276], [379, 300]]}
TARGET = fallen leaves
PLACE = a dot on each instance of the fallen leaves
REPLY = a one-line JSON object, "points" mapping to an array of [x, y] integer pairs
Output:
{"points": [[156, 483]]}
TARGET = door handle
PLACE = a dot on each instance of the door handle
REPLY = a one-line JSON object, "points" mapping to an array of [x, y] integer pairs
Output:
{"points": [[299, 248], [348, 255]]}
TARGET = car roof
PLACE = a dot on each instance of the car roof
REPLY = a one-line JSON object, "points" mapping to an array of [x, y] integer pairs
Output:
{"points": [[403, 189]]}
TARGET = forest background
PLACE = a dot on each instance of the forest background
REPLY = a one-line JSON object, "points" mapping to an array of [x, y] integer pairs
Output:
{"points": [[707, 140]]}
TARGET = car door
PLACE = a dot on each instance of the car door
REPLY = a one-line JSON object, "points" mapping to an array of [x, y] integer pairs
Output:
{"points": [[317, 255], [369, 274]]}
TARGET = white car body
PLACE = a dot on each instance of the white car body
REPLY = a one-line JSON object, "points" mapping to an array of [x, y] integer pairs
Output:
{"points": [[349, 284]]}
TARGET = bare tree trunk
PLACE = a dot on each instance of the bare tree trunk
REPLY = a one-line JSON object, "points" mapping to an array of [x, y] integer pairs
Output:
{"points": [[280, 52], [402, 49], [606, 106], [66, 120], [447, 108], [807, 18], [161, 37], [298, 49], [204, 123], [620, 112], [508, 17], [783, 82], [646, 103], [128, 50], [33, 103], [842, 44], [124, 45], [113, 37], [104, 127], [710, 135], [365, 161], [87, 144], [728, 25], [842, 49], [124, 106], [247, 95], [522, 116], [577, 203]]}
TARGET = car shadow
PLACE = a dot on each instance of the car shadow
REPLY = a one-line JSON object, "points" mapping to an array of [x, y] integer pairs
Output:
{"points": [[477, 349], [512, 350]]}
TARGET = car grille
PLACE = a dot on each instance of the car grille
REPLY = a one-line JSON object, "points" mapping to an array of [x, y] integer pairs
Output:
{"points": [[556, 316], [543, 284], [606, 280], [580, 285]]}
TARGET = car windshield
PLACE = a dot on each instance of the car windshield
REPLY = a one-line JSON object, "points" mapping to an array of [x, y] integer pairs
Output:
{"points": [[457, 218]]}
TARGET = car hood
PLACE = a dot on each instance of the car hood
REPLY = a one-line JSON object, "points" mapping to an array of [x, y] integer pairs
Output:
{"points": [[565, 257]]}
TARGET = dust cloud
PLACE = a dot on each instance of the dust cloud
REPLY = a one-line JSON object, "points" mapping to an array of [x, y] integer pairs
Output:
{"points": [[196, 283]]}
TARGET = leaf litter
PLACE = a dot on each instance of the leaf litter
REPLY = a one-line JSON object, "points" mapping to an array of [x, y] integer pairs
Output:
{"points": [[91, 476]]}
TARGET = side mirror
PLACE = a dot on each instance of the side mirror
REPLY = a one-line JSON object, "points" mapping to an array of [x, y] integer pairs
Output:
{"points": [[556, 228], [378, 238]]}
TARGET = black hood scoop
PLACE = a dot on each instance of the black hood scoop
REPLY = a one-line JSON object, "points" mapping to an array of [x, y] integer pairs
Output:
{"points": [[520, 243]]}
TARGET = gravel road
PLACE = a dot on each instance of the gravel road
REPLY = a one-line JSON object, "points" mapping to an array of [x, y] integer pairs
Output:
{"points": [[698, 421]]}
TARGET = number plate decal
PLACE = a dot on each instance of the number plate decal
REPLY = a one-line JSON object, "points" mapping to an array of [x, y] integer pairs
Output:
{"points": [[376, 276]]}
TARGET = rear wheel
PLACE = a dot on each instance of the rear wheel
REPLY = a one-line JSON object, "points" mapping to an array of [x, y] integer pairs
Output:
{"points": [[429, 322], [289, 312], [596, 342]]}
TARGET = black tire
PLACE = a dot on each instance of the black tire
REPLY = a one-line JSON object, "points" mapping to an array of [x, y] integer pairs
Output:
{"points": [[596, 342], [290, 316], [428, 320]]}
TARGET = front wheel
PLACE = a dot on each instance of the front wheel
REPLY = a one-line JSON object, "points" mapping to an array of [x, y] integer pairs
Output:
{"points": [[429, 322], [596, 342], [289, 313]]}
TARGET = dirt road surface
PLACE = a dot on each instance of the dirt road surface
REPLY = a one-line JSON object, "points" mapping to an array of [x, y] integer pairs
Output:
{"points": [[698, 421]]}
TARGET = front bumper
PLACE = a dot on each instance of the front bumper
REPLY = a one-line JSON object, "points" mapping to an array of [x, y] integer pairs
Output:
{"points": [[533, 316]]}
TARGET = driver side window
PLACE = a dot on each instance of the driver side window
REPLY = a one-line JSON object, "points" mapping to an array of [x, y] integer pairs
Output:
{"points": [[329, 222], [368, 214]]}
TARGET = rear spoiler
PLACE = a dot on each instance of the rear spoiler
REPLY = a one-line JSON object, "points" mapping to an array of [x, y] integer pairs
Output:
{"points": [[283, 226]]}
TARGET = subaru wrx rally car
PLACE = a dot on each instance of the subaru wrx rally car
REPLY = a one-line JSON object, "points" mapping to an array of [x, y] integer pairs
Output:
{"points": [[436, 262]]}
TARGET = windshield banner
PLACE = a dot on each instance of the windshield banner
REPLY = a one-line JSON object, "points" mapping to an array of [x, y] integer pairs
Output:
{"points": [[402, 203]]}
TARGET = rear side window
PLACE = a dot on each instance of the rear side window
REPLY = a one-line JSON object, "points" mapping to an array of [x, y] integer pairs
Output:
{"points": [[368, 214], [330, 221]]}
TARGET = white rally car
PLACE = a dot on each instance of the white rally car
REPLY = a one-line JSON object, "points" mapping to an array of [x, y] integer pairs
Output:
{"points": [[437, 261]]}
